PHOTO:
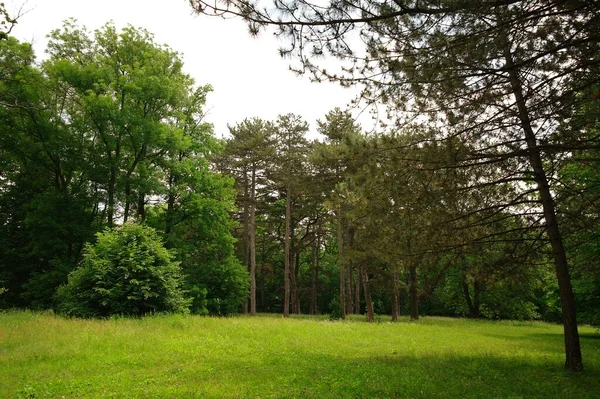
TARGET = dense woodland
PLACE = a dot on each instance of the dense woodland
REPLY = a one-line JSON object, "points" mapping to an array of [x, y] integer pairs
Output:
{"points": [[479, 199]]}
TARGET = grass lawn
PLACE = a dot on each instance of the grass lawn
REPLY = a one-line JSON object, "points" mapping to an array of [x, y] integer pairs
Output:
{"points": [[42, 355]]}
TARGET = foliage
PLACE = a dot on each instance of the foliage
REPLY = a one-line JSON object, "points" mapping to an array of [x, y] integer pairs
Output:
{"points": [[127, 272]]}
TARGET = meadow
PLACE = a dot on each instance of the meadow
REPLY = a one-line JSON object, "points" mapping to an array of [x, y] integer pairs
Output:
{"points": [[44, 355]]}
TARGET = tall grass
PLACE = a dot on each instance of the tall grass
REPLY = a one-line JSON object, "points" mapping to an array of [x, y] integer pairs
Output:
{"points": [[42, 355]]}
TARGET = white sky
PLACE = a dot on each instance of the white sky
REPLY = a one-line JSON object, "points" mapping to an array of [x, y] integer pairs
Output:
{"points": [[248, 76]]}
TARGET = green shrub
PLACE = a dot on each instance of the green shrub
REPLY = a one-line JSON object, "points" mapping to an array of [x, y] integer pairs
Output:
{"points": [[127, 272]]}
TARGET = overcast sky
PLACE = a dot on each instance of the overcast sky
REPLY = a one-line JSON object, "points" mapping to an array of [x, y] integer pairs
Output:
{"points": [[248, 76]]}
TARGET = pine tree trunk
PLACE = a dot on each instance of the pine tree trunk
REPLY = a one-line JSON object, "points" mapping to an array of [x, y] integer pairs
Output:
{"points": [[245, 243], [574, 360], [349, 276], [253, 243], [286, 273]]}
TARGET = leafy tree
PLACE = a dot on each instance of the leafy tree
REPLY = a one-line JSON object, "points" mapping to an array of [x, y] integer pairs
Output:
{"points": [[127, 272]]}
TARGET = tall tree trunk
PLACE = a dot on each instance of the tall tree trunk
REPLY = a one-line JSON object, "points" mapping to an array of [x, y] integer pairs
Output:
{"points": [[341, 264], [574, 360], [253, 243], [286, 273], [414, 297], [367, 291], [245, 241]]}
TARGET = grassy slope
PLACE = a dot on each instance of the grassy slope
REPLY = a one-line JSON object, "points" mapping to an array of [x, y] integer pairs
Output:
{"points": [[176, 356]]}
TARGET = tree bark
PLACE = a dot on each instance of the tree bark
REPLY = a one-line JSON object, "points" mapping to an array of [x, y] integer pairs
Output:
{"points": [[367, 291], [286, 273], [246, 218], [253, 243], [574, 361]]}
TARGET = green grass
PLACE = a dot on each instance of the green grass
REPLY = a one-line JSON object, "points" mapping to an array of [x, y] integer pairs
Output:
{"points": [[42, 355]]}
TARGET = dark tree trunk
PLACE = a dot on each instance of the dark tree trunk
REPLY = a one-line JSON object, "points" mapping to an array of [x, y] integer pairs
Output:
{"points": [[467, 295], [245, 242], [573, 356], [349, 275], [253, 243], [367, 291], [295, 262]]}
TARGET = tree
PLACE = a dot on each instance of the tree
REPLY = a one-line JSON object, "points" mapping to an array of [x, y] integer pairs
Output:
{"points": [[124, 87], [496, 70], [335, 162], [44, 202], [248, 152], [291, 159]]}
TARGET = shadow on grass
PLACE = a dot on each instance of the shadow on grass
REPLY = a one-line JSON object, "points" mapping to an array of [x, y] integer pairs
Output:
{"points": [[401, 376]]}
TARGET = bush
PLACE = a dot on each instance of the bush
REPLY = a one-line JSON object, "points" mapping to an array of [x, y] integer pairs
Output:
{"points": [[127, 272]]}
